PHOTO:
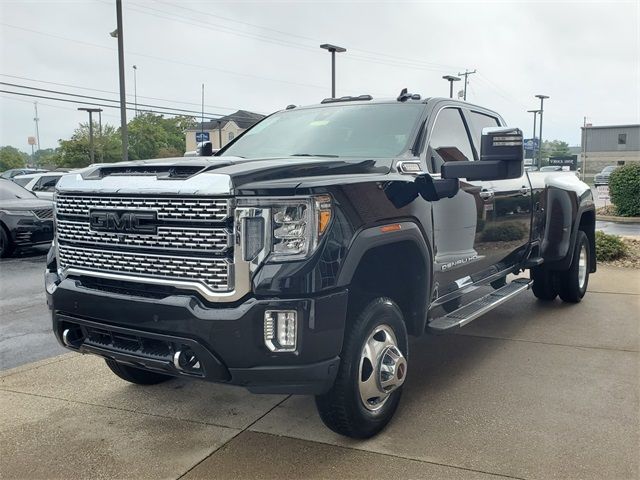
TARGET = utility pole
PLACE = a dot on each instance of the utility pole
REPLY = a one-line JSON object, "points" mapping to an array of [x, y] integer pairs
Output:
{"points": [[466, 80], [119, 34], [135, 89], [91, 111], [584, 149], [451, 79], [201, 118], [219, 133], [333, 49], [542, 98], [36, 120], [101, 144]]}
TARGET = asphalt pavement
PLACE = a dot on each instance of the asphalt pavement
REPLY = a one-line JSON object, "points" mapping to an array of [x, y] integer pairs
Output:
{"points": [[25, 322]]}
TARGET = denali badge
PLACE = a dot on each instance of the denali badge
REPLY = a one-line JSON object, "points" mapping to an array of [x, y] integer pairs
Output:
{"points": [[123, 221]]}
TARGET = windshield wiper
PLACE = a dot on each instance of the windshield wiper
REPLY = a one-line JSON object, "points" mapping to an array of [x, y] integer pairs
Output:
{"points": [[313, 155]]}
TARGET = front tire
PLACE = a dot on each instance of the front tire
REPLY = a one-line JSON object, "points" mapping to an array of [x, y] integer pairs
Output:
{"points": [[573, 283], [372, 370], [135, 375]]}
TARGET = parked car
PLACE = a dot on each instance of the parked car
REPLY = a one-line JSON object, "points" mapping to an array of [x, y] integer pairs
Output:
{"points": [[14, 172], [42, 184], [602, 178], [301, 256], [25, 220], [551, 168]]}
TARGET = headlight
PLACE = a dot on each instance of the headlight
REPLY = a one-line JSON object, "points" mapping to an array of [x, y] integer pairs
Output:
{"points": [[22, 213], [296, 226]]}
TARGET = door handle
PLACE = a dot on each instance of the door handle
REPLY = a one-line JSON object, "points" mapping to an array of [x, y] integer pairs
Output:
{"points": [[487, 194]]}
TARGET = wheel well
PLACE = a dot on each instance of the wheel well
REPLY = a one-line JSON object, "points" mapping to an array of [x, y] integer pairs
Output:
{"points": [[588, 226], [398, 271]]}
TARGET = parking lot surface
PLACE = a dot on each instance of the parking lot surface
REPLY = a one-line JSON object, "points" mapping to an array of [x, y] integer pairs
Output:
{"points": [[530, 390]]}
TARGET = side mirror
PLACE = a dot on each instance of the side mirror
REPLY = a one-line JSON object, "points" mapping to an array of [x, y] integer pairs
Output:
{"points": [[429, 188], [205, 149], [501, 157]]}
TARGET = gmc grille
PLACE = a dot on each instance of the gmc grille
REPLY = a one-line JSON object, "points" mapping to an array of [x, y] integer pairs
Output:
{"points": [[193, 242]]}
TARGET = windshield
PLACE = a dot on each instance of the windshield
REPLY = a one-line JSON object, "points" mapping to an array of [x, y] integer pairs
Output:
{"points": [[608, 169], [376, 130], [22, 181], [11, 191]]}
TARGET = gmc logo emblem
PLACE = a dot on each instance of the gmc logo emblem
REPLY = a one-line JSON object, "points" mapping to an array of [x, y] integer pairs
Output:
{"points": [[123, 221]]}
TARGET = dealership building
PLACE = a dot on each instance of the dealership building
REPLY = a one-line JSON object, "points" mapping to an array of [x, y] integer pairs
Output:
{"points": [[609, 145], [222, 130]]}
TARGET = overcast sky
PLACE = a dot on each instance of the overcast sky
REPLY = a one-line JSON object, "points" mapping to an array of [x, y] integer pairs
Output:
{"points": [[264, 55]]}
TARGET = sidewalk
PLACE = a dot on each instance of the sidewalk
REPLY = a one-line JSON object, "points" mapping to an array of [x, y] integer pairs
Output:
{"points": [[553, 393]]}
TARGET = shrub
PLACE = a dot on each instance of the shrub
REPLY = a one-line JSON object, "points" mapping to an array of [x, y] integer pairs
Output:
{"points": [[505, 232], [609, 247], [624, 189]]}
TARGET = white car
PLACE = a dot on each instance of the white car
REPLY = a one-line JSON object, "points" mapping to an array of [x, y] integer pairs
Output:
{"points": [[43, 185]]}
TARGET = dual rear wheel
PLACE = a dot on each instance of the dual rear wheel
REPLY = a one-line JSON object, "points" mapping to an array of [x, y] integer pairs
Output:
{"points": [[571, 284]]}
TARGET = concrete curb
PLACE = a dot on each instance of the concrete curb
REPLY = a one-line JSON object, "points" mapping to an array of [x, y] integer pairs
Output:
{"points": [[611, 218]]}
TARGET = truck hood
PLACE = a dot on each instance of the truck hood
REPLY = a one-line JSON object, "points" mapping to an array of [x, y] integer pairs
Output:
{"points": [[214, 175]]}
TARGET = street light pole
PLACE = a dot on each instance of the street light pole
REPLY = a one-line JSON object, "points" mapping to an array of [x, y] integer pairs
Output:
{"points": [[542, 98], [535, 113], [119, 34], [91, 111], [451, 79], [135, 89], [333, 49]]}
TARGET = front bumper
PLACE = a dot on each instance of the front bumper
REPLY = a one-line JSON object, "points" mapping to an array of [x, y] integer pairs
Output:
{"points": [[27, 231], [147, 331]]}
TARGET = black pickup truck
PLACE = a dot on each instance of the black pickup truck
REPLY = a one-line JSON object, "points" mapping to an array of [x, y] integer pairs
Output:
{"points": [[300, 257]]}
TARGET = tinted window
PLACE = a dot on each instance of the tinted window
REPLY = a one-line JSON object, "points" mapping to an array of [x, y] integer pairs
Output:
{"points": [[11, 191], [448, 133], [48, 184], [341, 130], [478, 121]]}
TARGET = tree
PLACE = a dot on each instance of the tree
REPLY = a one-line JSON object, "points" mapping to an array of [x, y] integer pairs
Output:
{"points": [[45, 157], [76, 152], [555, 148], [11, 157], [153, 136]]}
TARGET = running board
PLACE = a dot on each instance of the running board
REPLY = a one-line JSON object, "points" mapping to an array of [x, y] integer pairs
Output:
{"points": [[479, 307]]}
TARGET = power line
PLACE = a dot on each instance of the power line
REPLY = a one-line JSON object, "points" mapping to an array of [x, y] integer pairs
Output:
{"points": [[394, 58], [110, 91], [5, 97], [393, 61], [32, 95], [177, 110], [166, 60]]}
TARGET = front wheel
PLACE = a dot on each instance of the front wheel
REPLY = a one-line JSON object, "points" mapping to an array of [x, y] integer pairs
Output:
{"points": [[372, 371]]}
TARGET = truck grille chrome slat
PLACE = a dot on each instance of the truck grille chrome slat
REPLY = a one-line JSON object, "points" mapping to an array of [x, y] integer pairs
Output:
{"points": [[167, 238], [215, 275], [195, 209]]}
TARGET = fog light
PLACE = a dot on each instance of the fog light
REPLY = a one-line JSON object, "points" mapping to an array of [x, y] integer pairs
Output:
{"points": [[280, 330]]}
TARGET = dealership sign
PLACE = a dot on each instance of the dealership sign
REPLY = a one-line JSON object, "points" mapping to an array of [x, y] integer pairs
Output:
{"points": [[565, 161], [202, 136], [603, 192]]}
